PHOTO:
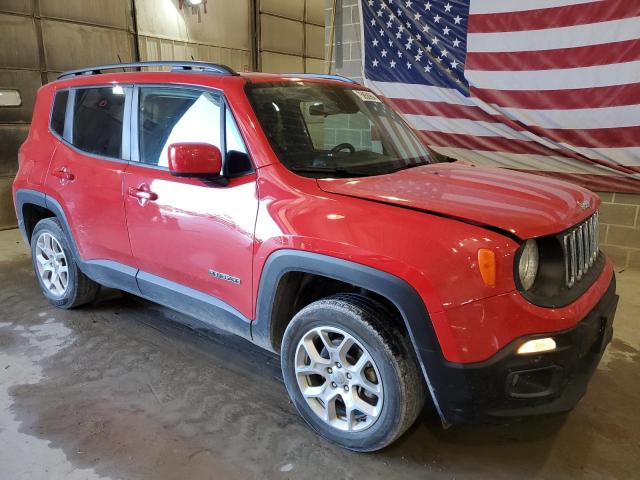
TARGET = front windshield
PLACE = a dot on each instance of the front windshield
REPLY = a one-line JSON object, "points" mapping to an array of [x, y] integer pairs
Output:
{"points": [[324, 130]]}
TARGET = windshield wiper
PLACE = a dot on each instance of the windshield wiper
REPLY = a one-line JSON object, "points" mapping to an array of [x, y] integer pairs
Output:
{"points": [[342, 172]]}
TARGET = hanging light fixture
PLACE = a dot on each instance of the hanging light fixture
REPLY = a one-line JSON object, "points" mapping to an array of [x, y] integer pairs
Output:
{"points": [[195, 7]]}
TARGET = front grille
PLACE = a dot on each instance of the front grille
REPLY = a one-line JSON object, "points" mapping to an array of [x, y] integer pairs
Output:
{"points": [[580, 249]]}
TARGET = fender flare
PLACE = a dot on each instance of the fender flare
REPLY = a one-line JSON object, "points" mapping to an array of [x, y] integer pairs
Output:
{"points": [[408, 302]]}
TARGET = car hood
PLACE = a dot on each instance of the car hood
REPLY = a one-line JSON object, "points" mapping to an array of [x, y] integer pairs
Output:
{"points": [[523, 204]]}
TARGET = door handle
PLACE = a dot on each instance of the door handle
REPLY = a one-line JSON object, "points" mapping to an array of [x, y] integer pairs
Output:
{"points": [[143, 193], [63, 174]]}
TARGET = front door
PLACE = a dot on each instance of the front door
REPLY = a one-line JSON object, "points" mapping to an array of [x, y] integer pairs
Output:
{"points": [[189, 232]]}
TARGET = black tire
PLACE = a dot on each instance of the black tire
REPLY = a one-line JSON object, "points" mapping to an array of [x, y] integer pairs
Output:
{"points": [[80, 289], [371, 324]]}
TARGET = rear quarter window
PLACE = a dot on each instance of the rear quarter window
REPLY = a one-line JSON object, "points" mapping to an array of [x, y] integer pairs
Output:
{"points": [[58, 112], [98, 115]]}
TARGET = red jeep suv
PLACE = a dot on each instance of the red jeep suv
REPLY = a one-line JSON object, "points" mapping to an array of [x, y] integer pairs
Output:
{"points": [[301, 212]]}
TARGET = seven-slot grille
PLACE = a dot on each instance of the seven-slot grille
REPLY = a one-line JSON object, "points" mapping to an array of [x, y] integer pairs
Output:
{"points": [[580, 249]]}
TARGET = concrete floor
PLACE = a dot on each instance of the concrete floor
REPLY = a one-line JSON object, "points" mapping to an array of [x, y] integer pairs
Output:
{"points": [[119, 390]]}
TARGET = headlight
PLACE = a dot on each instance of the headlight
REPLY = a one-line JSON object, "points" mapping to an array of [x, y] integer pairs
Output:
{"points": [[528, 264]]}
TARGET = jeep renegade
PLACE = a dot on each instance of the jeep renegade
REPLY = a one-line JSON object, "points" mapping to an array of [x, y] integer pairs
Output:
{"points": [[301, 212]]}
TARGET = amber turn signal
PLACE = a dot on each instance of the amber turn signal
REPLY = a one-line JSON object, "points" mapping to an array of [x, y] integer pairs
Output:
{"points": [[487, 266]]}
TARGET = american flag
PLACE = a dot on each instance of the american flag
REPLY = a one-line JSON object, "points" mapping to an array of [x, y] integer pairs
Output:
{"points": [[549, 86]]}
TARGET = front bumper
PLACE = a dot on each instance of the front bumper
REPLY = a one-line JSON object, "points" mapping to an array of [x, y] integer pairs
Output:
{"points": [[513, 385]]}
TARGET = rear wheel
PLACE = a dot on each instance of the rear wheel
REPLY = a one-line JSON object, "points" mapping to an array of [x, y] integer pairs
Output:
{"points": [[350, 373], [58, 275]]}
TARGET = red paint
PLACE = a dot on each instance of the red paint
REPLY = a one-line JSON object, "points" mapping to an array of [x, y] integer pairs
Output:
{"points": [[424, 225], [193, 159]]}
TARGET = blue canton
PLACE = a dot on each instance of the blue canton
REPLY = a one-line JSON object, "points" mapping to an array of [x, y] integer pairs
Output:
{"points": [[417, 42]]}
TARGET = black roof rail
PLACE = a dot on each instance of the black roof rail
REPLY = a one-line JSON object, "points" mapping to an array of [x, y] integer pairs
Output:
{"points": [[175, 66], [327, 76]]}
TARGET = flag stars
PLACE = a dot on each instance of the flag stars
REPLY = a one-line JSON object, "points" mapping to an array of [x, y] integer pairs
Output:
{"points": [[370, 2], [448, 7], [379, 12], [425, 28], [392, 64], [427, 68], [456, 43], [373, 22], [408, 65], [398, 35], [417, 16], [399, 54], [375, 42], [383, 52], [446, 30], [457, 20], [375, 62], [427, 6], [454, 64], [444, 52], [437, 18], [408, 3], [381, 32], [435, 40]]}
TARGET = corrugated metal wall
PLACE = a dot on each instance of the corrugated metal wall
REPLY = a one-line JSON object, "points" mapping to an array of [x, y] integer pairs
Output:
{"points": [[41, 38], [291, 36], [168, 33]]}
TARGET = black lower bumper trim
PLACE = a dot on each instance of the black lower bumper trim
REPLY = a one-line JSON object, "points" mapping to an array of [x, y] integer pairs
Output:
{"points": [[513, 385]]}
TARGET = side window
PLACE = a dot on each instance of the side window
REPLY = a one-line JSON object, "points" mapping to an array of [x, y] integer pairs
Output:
{"points": [[58, 111], [238, 161], [172, 115], [97, 120]]}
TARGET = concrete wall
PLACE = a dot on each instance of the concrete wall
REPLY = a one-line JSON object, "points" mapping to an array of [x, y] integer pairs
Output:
{"points": [[620, 228], [346, 58]]}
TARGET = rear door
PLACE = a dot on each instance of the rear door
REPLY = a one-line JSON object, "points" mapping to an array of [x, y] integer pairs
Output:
{"points": [[189, 232], [86, 172]]}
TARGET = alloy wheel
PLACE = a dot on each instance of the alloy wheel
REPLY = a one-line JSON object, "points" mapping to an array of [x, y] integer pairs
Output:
{"points": [[338, 379], [52, 264]]}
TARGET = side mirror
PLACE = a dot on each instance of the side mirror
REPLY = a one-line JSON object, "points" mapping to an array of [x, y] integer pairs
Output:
{"points": [[195, 160]]}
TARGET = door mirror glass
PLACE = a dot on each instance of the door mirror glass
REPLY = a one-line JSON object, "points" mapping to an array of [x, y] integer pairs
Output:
{"points": [[194, 160]]}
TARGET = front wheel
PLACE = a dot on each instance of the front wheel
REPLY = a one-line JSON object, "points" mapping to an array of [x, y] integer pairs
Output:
{"points": [[350, 372]]}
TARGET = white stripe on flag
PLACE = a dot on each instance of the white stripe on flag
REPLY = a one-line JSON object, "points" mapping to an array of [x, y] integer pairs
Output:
{"points": [[465, 127], [583, 118], [419, 92], [568, 78], [554, 38], [505, 6], [629, 156], [524, 161]]}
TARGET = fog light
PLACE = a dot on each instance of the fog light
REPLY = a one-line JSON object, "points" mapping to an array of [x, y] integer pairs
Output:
{"points": [[537, 346]]}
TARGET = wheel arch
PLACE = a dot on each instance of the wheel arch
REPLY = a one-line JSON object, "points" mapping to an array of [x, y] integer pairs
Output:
{"points": [[281, 264]]}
